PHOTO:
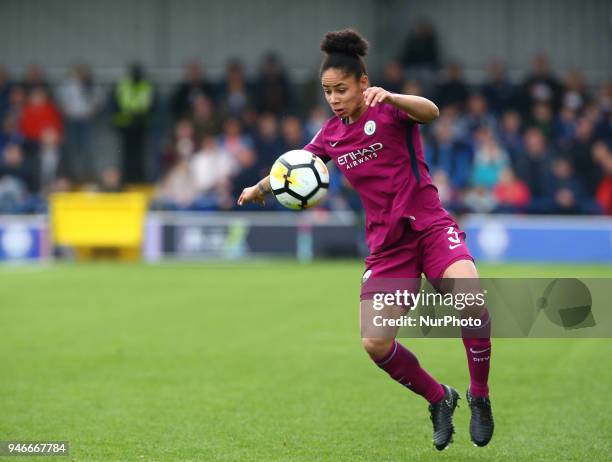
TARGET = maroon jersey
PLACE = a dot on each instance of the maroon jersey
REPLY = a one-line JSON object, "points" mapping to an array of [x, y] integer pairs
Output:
{"points": [[381, 155]]}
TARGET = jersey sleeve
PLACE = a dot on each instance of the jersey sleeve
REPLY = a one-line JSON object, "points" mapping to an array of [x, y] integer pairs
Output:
{"points": [[317, 147], [397, 114]]}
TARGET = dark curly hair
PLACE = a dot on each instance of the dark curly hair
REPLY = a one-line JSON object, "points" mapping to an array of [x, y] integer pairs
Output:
{"points": [[344, 50]]}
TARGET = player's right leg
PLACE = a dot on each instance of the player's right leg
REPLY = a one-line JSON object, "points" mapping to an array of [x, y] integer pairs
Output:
{"points": [[403, 367]]}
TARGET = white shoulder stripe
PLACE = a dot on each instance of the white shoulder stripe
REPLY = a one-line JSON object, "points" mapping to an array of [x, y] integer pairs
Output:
{"points": [[316, 134]]}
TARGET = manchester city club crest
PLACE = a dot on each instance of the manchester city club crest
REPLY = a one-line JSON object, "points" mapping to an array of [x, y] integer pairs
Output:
{"points": [[370, 127]]}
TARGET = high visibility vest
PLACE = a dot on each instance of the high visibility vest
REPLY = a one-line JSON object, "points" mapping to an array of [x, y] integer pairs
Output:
{"points": [[133, 98]]}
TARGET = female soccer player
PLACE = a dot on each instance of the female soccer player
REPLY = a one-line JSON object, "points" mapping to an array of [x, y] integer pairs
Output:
{"points": [[374, 141]]}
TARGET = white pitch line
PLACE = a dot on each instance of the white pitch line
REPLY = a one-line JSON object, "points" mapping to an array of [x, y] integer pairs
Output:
{"points": [[7, 269]]}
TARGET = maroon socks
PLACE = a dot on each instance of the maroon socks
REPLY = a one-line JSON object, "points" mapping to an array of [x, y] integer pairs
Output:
{"points": [[404, 368], [477, 342]]}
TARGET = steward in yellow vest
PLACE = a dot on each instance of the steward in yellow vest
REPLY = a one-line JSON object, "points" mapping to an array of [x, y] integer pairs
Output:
{"points": [[133, 99]]}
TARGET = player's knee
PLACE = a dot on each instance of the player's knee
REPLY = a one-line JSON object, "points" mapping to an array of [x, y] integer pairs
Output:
{"points": [[377, 348]]}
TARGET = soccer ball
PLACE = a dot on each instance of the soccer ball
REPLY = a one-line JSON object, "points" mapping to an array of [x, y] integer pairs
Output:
{"points": [[299, 179]]}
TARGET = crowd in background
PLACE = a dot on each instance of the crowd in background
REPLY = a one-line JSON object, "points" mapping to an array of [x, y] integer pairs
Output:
{"points": [[539, 145]]}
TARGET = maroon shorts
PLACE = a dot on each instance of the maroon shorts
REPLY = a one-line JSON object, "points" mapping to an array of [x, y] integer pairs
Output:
{"points": [[430, 251]]}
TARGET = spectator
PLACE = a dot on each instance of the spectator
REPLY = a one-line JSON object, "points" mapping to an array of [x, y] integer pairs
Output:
{"points": [[511, 194], [601, 154], [193, 86], [567, 195], [292, 133], [273, 89], [177, 191], [211, 168], [10, 133], [489, 160], [510, 134], [451, 156], [542, 118], [600, 114], [13, 194], [603, 157], [17, 99], [393, 78], [565, 128], [12, 164], [52, 160], [453, 89], [581, 157], [480, 200], [604, 193], [421, 51], [61, 184], [38, 114], [133, 99], [498, 90], [533, 164], [541, 85], [268, 143], [240, 148], [80, 101], [248, 119], [182, 145], [233, 140], [204, 117], [15, 180], [110, 180], [574, 91], [476, 116], [35, 78], [235, 95], [593, 113], [247, 173], [199, 182]]}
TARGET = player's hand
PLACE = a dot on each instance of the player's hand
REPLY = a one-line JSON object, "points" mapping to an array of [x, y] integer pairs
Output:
{"points": [[376, 95], [252, 194]]}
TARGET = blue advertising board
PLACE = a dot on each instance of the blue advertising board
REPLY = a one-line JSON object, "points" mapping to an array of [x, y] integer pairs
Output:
{"points": [[539, 239], [23, 239]]}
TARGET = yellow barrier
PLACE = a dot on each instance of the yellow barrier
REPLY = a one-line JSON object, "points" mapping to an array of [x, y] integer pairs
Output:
{"points": [[99, 224]]}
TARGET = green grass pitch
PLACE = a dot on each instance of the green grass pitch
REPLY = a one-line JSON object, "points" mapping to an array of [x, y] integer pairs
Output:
{"points": [[262, 361]]}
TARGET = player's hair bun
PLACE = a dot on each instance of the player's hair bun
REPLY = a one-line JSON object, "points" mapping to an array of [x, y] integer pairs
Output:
{"points": [[347, 41]]}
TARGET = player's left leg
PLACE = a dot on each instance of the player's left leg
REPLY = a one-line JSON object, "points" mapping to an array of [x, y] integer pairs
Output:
{"points": [[477, 343]]}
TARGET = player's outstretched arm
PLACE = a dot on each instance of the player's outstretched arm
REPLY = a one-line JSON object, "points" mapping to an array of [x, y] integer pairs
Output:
{"points": [[256, 193], [418, 108]]}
